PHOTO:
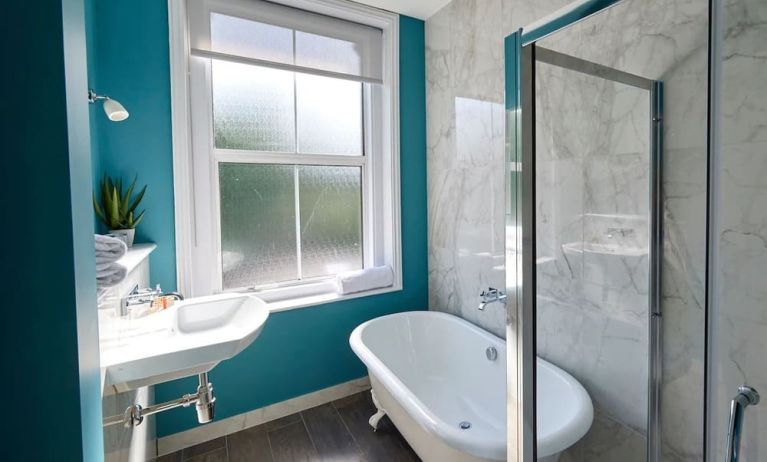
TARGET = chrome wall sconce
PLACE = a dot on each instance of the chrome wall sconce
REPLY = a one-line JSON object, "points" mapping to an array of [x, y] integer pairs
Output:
{"points": [[115, 111]]}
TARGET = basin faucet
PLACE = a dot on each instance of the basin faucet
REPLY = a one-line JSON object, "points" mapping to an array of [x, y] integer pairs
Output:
{"points": [[137, 297], [491, 295], [141, 296]]}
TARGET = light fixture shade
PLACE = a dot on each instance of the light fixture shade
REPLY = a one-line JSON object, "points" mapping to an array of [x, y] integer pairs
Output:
{"points": [[114, 110]]}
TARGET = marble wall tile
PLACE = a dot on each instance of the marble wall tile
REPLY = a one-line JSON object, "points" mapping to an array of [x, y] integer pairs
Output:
{"points": [[608, 441], [665, 39], [465, 142], [739, 318]]}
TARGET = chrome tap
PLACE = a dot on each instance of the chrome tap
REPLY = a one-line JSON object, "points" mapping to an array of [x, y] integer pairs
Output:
{"points": [[491, 295], [137, 297], [142, 296]]}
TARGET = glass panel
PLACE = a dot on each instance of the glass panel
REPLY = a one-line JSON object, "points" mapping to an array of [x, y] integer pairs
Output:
{"points": [[593, 188], [596, 83], [329, 54], [252, 39], [738, 263], [258, 227], [253, 108], [329, 115], [331, 219]]}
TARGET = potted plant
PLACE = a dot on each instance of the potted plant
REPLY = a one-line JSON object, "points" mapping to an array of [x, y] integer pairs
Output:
{"points": [[117, 208]]}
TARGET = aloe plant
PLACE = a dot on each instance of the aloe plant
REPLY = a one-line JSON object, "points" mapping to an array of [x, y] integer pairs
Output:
{"points": [[117, 208]]}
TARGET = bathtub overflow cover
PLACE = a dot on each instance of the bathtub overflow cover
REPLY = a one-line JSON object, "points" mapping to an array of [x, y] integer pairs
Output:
{"points": [[464, 425]]}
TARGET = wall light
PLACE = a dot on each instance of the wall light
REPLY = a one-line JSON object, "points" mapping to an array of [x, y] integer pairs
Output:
{"points": [[114, 110]]}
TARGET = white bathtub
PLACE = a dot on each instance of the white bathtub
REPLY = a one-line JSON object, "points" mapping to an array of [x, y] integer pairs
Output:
{"points": [[430, 372]]}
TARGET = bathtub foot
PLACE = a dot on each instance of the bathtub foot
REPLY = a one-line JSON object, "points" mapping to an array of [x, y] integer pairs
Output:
{"points": [[379, 413]]}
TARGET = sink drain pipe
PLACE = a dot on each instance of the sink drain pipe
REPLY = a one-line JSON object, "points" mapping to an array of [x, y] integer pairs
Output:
{"points": [[203, 400]]}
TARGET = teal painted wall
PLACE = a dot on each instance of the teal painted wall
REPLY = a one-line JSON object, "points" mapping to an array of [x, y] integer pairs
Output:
{"points": [[304, 350], [299, 351], [128, 60], [50, 307]]}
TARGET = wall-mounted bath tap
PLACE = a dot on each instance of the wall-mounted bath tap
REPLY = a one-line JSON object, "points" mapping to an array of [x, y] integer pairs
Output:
{"points": [[491, 295]]}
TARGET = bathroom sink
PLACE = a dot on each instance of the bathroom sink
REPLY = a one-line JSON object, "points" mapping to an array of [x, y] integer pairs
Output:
{"points": [[189, 338]]}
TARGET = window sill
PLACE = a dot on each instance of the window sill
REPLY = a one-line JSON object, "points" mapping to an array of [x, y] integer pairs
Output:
{"points": [[277, 301]]}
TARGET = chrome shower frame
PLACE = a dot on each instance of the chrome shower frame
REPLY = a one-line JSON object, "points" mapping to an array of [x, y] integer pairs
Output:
{"points": [[521, 48]]}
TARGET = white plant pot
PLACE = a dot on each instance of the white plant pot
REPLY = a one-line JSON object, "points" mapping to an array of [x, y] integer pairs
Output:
{"points": [[125, 235]]}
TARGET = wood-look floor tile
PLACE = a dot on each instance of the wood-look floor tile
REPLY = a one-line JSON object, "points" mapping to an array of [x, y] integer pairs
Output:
{"points": [[172, 457], [291, 443], [217, 455], [383, 445], [330, 436], [282, 422], [249, 445], [202, 448]]}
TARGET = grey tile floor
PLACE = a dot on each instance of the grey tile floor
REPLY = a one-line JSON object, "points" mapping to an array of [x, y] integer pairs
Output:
{"points": [[333, 432]]}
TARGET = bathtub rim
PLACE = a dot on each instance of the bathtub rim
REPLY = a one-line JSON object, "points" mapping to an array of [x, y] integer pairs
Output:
{"points": [[471, 443]]}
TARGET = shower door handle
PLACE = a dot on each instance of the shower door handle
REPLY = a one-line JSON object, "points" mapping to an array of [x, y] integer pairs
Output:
{"points": [[746, 396]]}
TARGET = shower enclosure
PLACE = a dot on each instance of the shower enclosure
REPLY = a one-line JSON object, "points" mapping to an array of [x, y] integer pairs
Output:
{"points": [[737, 271], [637, 222]]}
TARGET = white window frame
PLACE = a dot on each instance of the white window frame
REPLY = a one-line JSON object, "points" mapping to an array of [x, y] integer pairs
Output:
{"points": [[194, 174]]}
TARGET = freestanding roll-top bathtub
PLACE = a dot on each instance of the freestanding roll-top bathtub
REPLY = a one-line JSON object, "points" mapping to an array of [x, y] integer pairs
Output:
{"points": [[442, 381]]}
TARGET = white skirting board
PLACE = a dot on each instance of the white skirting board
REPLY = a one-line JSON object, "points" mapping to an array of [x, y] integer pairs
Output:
{"points": [[218, 428]]}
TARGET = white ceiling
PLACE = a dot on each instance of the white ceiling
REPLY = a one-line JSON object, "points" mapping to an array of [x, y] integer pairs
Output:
{"points": [[420, 9]]}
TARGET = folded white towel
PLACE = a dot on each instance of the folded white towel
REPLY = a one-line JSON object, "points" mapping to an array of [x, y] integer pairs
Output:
{"points": [[366, 279], [108, 249], [111, 276]]}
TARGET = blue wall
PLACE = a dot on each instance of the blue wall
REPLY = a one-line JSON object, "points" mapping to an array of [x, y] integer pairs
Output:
{"points": [[49, 307], [299, 351], [128, 60]]}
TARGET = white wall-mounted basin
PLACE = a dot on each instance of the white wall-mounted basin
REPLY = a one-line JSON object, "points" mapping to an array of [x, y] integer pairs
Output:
{"points": [[190, 337]]}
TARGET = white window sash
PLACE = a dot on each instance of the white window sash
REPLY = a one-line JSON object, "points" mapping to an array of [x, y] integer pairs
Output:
{"points": [[283, 14], [196, 160], [281, 66]]}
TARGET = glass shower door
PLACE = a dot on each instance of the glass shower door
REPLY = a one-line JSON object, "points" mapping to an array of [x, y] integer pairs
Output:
{"points": [[737, 353]]}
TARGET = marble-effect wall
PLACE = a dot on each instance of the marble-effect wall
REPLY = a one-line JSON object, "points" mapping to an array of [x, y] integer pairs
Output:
{"points": [[592, 178], [739, 293], [465, 155], [662, 39]]}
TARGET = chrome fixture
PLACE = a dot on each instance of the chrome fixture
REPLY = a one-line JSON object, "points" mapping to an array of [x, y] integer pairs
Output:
{"points": [[137, 297], [624, 232], [115, 111], [491, 295], [176, 295], [491, 353], [464, 425], [203, 401], [746, 396], [143, 296]]}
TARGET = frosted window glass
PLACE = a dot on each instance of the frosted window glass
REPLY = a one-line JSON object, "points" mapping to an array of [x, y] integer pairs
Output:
{"points": [[252, 108], [258, 224], [331, 219], [329, 115], [237, 36], [327, 53]]}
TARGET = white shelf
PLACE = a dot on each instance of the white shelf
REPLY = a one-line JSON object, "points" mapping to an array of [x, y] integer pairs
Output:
{"points": [[136, 254]]}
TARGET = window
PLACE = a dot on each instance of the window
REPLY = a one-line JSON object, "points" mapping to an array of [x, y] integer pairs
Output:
{"points": [[285, 144]]}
